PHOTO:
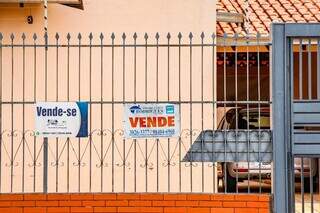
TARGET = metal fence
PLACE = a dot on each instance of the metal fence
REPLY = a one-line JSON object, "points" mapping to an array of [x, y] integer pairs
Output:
{"points": [[219, 83]]}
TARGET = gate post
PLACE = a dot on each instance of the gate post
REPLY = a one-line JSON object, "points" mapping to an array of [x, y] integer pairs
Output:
{"points": [[281, 118]]}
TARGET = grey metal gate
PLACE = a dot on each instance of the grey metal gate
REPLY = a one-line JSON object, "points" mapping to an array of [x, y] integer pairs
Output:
{"points": [[296, 108]]}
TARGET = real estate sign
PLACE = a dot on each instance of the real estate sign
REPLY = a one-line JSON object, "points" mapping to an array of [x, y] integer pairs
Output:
{"points": [[151, 120], [61, 119]]}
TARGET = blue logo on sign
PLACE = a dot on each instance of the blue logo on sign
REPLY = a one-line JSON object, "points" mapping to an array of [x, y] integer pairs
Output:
{"points": [[135, 109], [170, 109]]}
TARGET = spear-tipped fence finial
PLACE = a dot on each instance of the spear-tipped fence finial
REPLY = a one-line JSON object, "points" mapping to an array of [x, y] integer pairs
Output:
{"points": [[57, 36], [190, 36], [11, 36], [34, 36], [101, 36], [113, 36], [168, 36], [46, 39], [202, 36], [213, 36]]}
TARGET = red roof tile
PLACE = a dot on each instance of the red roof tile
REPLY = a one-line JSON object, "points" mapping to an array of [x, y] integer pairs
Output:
{"points": [[261, 13]]}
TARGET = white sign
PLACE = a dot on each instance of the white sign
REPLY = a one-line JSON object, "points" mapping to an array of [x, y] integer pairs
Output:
{"points": [[151, 120], [61, 119]]}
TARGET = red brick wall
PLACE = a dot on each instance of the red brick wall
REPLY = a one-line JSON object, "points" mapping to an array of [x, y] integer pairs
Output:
{"points": [[162, 203]]}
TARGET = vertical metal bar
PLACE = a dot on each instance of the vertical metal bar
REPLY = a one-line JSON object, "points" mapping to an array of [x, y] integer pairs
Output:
{"points": [[168, 98], [157, 99], [202, 133], [300, 70], [248, 126], [45, 140], [179, 70], [190, 124], [124, 100], [90, 121], [311, 183], [135, 99], [112, 107], [318, 173], [224, 110], [292, 185], [57, 99], [237, 113], [290, 157], [45, 165], [259, 107], [34, 100], [146, 101], [309, 71], [23, 108], [1, 37], [213, 113], [102, 114], [79, 98], [12, 80], [45, 16], [68, 99], [318, 68], [259, 112], [302, 184]]}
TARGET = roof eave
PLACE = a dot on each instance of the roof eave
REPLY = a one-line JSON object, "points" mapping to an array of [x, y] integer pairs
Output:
{"points": [[230, 17], [78, 5]]}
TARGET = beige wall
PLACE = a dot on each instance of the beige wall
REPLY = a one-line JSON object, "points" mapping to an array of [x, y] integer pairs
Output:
{"points": [[115, 16], [108, 16]]}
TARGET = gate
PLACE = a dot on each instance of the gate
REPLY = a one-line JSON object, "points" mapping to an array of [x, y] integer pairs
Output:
{"points": [[296, 112]]}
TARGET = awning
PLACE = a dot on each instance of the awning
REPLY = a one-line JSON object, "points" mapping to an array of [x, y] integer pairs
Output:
{"points": [[231, 146]]}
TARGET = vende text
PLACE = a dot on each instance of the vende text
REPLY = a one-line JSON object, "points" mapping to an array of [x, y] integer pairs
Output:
{"points": [[144, 122]]}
